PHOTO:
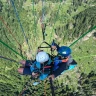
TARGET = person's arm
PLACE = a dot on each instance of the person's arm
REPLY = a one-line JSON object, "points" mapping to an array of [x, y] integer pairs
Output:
{"points": [[54, 46]]}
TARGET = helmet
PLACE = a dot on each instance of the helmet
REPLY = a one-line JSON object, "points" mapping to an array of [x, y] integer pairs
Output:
{"points": [[42, 57], [64, 51]]}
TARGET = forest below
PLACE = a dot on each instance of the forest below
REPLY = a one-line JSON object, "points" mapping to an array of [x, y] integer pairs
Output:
{"points": [[68, 22]]}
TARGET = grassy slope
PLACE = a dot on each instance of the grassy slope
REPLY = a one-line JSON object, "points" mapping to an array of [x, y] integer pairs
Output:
{"points": [[85, 64], [8, 70]]}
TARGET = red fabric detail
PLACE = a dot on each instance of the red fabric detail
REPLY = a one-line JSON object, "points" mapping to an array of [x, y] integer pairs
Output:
{"points": [[47, 67]]}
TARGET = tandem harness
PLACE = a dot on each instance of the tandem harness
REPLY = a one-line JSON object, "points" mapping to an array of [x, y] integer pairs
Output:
{"points": [[42, 69]]}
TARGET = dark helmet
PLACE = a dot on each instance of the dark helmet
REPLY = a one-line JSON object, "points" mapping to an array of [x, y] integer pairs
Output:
{"points": [[64, 51]]}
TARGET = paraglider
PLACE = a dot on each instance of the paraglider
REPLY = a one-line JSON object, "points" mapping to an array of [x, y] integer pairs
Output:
{"points": [[45, 65]]}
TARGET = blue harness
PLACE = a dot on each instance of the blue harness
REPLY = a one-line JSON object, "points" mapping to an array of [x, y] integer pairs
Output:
{"points": [[36, 67]]}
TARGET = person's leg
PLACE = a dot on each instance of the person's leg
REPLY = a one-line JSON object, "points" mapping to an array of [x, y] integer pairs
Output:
{"points": [[23, 62], [25, 71], [20, 70], [26, 63]]}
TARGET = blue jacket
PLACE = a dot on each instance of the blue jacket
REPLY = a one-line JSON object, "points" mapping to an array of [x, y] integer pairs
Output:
{"points": [[60, 67]]}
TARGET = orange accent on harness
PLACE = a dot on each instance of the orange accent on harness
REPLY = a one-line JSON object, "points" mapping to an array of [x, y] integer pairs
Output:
{"points": [[65, 60], [46, 67]]}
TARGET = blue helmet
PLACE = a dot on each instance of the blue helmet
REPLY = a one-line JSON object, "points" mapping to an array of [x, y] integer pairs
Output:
{"points": [[64, 51]]}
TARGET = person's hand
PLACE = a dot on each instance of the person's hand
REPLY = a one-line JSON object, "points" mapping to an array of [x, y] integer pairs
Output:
{"points": [[35, 75], [52, 76], [53, 47]]}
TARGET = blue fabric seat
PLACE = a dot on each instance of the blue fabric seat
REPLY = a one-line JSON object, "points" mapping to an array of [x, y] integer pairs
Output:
{"points": [[70, 68]]}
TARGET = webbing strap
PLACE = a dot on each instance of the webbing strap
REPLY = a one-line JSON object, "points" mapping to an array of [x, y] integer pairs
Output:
{"points": [[55, 19], [51, 86], [11, 49], [82, 36], [12, 60], [9, 30], [17, 15]]}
